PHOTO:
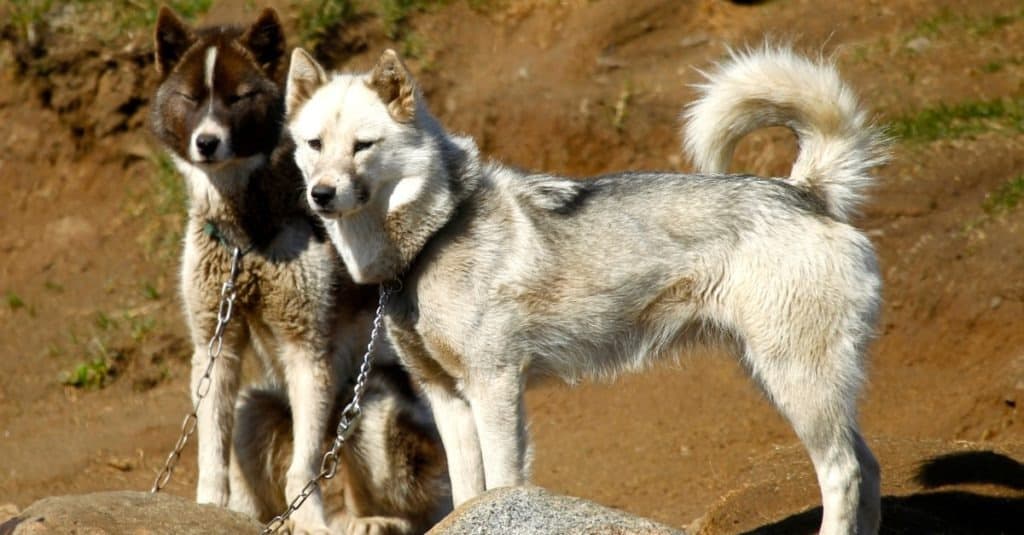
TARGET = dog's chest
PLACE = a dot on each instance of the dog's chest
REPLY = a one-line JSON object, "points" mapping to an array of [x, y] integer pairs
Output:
{"points": [[427, 351], [289, 296]]}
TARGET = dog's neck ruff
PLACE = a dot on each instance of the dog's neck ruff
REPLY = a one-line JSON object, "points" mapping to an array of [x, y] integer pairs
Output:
{"points": [[381, 244], [218, 197]]}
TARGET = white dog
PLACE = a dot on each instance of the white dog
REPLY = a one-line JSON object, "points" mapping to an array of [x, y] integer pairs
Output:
{"points": [[507, 272]]}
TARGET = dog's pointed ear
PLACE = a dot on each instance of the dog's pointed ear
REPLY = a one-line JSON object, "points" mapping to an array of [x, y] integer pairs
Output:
{"points": [[305, 76], [173, 38], [265, 39], [395, 86]]}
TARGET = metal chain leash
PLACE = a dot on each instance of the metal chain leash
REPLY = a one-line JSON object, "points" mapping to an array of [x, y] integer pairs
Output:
{"points": [[349, 416], [213, 349]]}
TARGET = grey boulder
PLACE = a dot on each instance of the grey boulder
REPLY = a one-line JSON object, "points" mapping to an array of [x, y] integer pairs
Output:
{"points": [[535, 511], [128, 512]]}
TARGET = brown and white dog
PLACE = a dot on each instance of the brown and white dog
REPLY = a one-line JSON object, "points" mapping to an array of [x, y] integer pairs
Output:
{"points": [[219, 113]]}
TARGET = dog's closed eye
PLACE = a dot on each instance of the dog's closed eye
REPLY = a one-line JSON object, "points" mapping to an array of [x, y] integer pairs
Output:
{"points": [[232, 99], [360, 146]]}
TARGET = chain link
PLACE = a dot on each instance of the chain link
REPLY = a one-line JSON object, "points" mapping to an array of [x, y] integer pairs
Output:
{"points": [[351, 413], [213, 349]]}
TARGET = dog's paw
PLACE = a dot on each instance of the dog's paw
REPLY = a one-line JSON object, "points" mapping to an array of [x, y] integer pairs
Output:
{"points": [[215, 493], [377, 525]]}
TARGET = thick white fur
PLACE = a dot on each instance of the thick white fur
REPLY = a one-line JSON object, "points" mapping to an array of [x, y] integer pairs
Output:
{"points": [[508, 273], [770, 86]]}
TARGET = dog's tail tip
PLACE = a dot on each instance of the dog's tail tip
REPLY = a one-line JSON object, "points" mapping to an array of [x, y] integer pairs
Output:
{"points": [[771, 85]]}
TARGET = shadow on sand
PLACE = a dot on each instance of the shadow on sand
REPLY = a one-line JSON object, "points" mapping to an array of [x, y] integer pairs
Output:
{"points": [[942, 511]]}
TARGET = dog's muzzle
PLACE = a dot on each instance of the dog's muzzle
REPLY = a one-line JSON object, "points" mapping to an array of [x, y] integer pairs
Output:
{"points": [[322, 195], [337, 196]]}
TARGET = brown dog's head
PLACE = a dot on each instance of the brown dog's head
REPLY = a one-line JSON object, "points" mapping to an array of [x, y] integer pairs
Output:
{"points": [[220, 97]]}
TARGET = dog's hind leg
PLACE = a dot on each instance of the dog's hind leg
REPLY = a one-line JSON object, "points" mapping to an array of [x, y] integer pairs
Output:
{"points": [[820, 405], [500, 422], [457, 428], [261, 453], [244, 497]]}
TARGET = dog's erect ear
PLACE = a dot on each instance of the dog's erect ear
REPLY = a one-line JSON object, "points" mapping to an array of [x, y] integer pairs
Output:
{"points": [[395, 86], [305, 76], [173, 38], [265, 39]]}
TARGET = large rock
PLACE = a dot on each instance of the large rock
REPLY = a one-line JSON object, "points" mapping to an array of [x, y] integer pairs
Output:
{"points": [[534, 511], [127, 512]]}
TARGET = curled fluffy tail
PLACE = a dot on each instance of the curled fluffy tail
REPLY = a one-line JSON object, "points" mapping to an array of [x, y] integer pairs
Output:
{"points": [[773, 86]]}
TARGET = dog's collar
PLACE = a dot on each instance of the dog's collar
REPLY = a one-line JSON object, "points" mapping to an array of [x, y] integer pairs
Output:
{"points": [[214, 232]]}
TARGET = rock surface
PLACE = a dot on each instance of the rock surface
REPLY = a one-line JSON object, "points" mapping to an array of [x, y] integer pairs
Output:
{"points": [[128, 512], [535, 511]]}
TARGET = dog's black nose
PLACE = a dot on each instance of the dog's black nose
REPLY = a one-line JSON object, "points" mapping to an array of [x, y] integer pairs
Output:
{"points": [[207, 144], [322, 194]]}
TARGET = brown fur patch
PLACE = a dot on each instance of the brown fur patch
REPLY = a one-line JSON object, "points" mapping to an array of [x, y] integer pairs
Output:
{"points": [[173, 38], [403, 497], [681, 292], [446, 357], [265, 39], [395, 86], [418, 358], [410, 489]]}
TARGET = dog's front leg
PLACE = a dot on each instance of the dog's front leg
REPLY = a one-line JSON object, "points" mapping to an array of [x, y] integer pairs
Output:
{"points": [[455, 424], [310, 392], [216, 415], [496, 397]]}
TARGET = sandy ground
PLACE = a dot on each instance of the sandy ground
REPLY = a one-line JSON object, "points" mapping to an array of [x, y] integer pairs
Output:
{"points": [[89, 230]]}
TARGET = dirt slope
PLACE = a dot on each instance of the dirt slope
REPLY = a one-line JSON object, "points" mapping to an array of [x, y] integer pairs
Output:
{"points": [[88, 239]]}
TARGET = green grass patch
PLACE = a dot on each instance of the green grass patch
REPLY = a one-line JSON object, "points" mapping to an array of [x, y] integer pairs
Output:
{"points": [[141, 326], [109, 18], [104, 322], [160, 210], [13, 301], [999, 202], [980, 26], [394, 13], [933, 24], [142, 13], [170, 186], [102, 359], [1006, 198], [26, 13], [319, 19], [953, 121], [150, 292], [91, 374], [993, 66]]}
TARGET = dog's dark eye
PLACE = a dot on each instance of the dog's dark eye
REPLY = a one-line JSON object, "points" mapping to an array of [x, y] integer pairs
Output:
{"points": [[314, 144], [361, 146], [232, 99]]}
